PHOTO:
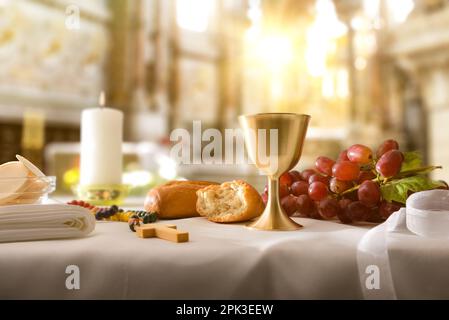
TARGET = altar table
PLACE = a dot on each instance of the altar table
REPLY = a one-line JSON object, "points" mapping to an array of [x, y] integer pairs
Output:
{"points": [[220, 262]]}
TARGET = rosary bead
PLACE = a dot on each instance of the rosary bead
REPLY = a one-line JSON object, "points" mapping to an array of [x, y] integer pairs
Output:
{"points": [[128, 215], [114, 213], [149, 217], [133, 221], [108, 214]]}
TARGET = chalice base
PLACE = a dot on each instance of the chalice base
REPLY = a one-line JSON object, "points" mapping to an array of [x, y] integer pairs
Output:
{"points": [[274, 219]]}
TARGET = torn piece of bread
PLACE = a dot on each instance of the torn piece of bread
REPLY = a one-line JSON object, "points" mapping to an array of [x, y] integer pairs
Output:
{"points": [[233, 201]]}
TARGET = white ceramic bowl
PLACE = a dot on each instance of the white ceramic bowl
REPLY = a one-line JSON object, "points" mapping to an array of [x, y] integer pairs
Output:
{"points": [[428, 213]]}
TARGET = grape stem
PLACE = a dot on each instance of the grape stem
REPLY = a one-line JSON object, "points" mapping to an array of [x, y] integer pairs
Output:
{"points": [[377, 179], [400, 175]]}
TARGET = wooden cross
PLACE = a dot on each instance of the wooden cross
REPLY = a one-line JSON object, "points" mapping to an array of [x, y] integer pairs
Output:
{"points": [[162, 231]]}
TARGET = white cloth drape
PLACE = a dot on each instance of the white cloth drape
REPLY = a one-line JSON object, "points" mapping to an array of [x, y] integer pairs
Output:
{"points": [[409, 266], [373, 251]]}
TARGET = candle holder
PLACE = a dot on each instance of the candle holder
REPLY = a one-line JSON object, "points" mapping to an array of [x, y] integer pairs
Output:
{"points": [[102, 194]]}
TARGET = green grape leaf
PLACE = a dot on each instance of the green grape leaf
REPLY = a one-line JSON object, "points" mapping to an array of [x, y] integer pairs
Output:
{"points": [[412, 160], [397, 190]]}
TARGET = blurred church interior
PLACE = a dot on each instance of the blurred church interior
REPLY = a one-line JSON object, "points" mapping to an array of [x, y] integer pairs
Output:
{"points": [[365, 70]]}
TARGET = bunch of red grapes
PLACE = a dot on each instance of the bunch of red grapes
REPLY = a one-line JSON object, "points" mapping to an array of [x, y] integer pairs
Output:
{"points": [[347, 188]]}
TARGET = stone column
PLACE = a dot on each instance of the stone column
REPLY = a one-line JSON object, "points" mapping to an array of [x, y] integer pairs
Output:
{"points": [[420, 47]]}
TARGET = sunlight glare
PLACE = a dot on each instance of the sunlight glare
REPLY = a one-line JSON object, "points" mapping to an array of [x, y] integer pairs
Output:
{"points": [[194, 15]]}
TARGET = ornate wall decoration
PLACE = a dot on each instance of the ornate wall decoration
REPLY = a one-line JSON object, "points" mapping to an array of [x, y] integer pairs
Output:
{"points": [[44, 63]]}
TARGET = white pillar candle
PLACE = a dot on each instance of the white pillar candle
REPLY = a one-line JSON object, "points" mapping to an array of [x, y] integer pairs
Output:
{"points": [[101, 146]]}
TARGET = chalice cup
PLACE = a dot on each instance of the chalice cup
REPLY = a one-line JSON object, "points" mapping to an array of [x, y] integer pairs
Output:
{"points": [[274, 143]]}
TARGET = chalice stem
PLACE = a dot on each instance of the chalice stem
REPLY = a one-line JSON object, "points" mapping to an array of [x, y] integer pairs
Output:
{"points": [[273, 193], [274, 217]]}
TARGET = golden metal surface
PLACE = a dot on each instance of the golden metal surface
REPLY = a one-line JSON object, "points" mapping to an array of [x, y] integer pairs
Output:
{"points": [[102, 194], [291, 131]]}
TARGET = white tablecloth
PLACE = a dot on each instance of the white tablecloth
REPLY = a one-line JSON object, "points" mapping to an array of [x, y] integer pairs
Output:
{"points": [[223, 262], [219, 262]]}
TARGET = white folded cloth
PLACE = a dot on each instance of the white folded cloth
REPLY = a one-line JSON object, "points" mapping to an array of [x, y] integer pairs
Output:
{"points": [[44, 222], [407, 265]]}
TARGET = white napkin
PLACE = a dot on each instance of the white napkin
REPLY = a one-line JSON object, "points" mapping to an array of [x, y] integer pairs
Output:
{"points": [[44, 222], [409, 266]]}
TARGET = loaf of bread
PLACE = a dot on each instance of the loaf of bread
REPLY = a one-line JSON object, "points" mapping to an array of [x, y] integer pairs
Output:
{"points": [[175, 199], [233, 201]]}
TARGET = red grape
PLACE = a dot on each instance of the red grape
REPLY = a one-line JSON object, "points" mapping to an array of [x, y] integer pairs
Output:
{"points": [[390, 163], [264, 198], [343, 217], [338, 186], [288, 203], [283, 190], [374, 216], [352, 195], [304, 205], [295, 175], [307, 173], [344, 203], [387, 208], [346, 171], [324, 165], [318, 177], [365, 175], [318, 191], [300, 187], [286, 179], [369, 193], [357, 211], [386, 146], [328, 208], [315, 214], [360, 154], [343, 156]]}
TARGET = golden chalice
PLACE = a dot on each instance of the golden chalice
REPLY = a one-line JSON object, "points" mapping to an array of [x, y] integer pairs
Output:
{"points": [[275, 149]]}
